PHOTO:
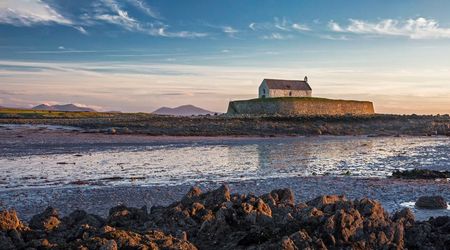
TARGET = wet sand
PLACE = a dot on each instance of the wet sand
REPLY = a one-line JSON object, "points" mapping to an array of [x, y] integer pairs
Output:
{"points": [[46, 139]]}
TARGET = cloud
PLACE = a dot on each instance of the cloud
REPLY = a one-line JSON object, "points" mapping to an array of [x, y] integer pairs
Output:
{"points": [[180, 34], [115, 15], [279, 29], [419, 28], [141, 5], [281, 24], [230, 31], [33, 12], [332, 25], [276, 36], [111, 11], [300, 27], [29, 12], [80, 29], [335, 38]]}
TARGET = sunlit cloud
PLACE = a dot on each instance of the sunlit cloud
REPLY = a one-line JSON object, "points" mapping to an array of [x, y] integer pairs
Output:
{"points": [[29, 12], [419, 28]]}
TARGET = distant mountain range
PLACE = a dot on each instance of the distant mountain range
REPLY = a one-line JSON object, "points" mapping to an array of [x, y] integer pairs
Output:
{"points": [[185, 110], [65, 107]]}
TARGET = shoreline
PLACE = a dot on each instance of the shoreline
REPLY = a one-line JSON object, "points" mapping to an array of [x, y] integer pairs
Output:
{"points": [[393, 194], [147, 124]]}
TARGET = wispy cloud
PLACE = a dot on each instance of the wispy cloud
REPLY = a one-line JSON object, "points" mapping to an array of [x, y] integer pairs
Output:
{"points": [[230, 31], [279, 29], [280, 25], [80, 29], [276, 36], [29, 12], [144, 7], [335, 37], [419, 28], [112, 12], [332, 25], [35, 12], [300, 27]]}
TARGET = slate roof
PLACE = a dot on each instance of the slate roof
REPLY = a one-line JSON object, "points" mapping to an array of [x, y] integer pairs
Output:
{"points": [[287, 84]]}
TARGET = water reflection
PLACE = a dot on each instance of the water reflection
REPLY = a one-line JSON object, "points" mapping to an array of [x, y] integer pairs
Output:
{"points": [[170, 164], [306, 156]]}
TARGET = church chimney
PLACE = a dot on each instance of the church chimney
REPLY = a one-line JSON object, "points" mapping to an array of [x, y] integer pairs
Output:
{"points": [[306, 79]]}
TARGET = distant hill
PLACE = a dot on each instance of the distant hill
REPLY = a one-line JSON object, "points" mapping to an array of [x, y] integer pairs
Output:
{"points": [[185, 110], [65, 107]]}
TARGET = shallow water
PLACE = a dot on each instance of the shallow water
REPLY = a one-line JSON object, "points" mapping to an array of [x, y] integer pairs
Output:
{"points": [[217, 161]]}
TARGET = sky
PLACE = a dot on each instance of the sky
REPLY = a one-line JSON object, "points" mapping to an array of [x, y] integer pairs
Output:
{"points": [[139, 55]]}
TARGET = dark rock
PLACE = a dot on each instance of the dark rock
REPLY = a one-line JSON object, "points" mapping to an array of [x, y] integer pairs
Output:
{"points": [[6, 242], [322, 201], [431, 234], [220, 220], [405, 216], [421, 174], [431, 202], [216, 197], [279, 196], [122, 216], [80, 217], [47, 220]]}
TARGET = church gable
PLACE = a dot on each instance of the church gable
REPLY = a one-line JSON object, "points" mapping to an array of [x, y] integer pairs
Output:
{"points": [[284, 88]]}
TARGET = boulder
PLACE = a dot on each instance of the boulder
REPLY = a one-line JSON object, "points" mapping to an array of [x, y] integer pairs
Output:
{"points": [[431, 202], [47, 220], [321, 201], [9, 220], [405, 216], [80, 217], [122, 216], [216, 197], [279, 197]]}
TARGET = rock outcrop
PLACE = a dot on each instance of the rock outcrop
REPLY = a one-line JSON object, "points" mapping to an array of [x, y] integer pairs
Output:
{"points": [[431, 202], [421, 174], [219, 219]]}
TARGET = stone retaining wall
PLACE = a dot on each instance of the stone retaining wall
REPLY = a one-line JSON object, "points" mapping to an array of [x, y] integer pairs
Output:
{"points": [[299, 106]]}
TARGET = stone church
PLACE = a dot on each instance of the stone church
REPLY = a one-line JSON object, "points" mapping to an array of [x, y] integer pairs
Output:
{"points": [[270, 88]]}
